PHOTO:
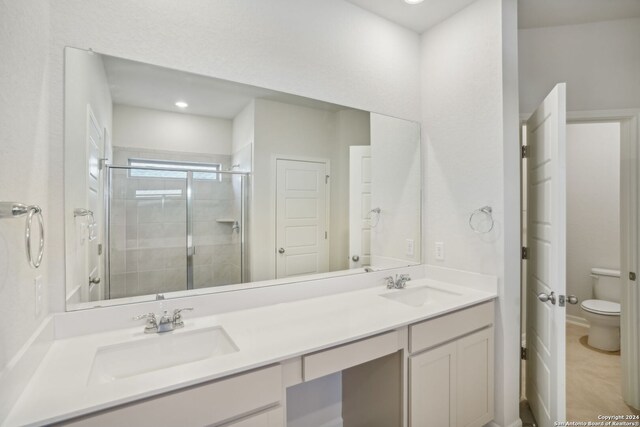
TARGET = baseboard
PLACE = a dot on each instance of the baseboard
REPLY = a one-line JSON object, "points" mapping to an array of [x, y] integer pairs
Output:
{"points": [[516, 423], [337, 422], [577, 320]]}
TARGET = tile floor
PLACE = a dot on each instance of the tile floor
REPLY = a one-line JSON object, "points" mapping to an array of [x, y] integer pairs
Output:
{"points": [[593, 381]]}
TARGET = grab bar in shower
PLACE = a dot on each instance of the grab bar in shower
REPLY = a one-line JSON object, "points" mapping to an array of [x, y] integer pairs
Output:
{"points": [[16, 210]]}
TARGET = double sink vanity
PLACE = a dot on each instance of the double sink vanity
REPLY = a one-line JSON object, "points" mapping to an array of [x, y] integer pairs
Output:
{"points": [[418, 356], [274, 217]]}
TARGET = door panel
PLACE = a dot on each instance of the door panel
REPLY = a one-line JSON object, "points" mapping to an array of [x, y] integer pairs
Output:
{"points": [[95, 152], [359, 206], [301, 218], [546, 263]]}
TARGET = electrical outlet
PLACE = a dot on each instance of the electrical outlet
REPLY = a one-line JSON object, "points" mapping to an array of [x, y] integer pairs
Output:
{"points": [[38, 289], [439, 251], [410, 247]]}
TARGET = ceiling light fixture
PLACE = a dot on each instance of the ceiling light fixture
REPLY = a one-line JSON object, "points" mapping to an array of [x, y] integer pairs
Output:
{"points": [[413, 1], [181, 104]]}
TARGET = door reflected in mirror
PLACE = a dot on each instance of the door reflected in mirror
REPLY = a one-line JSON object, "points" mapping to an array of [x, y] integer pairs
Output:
{"points": [[198, 183]]}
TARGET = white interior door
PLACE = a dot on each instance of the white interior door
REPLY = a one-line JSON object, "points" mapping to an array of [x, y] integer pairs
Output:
{"points": [[359, 206], [302, 232], [546, 263], [95, 152]]}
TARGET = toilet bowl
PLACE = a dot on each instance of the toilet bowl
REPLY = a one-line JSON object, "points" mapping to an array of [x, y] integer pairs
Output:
{"points": [[603, 312]]}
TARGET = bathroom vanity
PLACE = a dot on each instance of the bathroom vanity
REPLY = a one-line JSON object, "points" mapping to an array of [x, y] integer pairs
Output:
{"points": [[417, 356]]}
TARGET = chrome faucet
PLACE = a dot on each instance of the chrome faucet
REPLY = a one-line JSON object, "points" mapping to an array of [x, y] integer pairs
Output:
{"points": [[398, 283], [168, 322]]}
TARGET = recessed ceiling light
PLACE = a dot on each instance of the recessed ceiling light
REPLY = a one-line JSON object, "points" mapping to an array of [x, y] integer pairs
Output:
{"points": [[413, 1], [181, 104]]}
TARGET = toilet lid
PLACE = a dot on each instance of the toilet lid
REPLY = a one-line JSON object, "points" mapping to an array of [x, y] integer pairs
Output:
{"points": [[599, 306]]}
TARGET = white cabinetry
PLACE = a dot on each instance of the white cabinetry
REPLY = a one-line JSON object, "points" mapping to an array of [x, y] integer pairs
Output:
{"points": [[239, 398], [451, 383]]}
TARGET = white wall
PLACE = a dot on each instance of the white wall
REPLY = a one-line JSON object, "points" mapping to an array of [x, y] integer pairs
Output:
{"points": [[396, 190], [600, 62], [24, 173], [470, 128], [593, 205], [313, 50], [244, 129], [299, 132], [352, 128], [136, 127]]}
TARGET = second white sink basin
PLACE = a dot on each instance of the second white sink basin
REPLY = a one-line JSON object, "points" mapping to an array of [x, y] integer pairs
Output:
{"points": [[124, 360], [421, 295]]}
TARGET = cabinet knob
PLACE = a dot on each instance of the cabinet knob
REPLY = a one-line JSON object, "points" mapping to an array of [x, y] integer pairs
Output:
{"points": [[281, 250], [355, 258]]}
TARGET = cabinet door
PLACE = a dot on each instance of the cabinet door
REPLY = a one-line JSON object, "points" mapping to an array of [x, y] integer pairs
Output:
{"points": [[475, 379], [432, 387], [270, 418]]}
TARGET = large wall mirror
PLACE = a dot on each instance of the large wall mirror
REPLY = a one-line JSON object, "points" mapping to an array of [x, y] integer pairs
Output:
{"points": [[178, 183]]}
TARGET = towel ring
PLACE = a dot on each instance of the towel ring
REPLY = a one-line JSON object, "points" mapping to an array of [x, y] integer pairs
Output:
{"points": [[15, 210], [481, 220], [91, 226], [374, 214], [34, 211]]}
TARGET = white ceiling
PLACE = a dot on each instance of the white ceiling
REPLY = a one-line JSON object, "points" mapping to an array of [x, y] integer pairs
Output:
{"points": [[531, 13], [149, 86], [417, 17]]}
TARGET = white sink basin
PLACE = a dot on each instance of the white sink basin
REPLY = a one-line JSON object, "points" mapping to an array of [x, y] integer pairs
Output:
{"points": [[158, 351], [420, 296]]}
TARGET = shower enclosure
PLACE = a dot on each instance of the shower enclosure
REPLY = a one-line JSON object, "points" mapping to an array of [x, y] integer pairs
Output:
{"points": [[173, 226]]}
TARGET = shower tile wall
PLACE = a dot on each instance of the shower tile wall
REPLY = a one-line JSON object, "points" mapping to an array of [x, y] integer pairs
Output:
{"points": [[148, 233]]}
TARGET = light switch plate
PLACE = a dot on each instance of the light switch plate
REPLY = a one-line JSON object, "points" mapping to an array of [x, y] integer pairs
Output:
{"points": [[439, 251], [38, 297], [410, 247]]}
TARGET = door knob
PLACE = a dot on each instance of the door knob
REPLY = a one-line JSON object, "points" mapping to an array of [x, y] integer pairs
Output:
{"points": [[355, 258], [94, 280], [547, 297], [281, 250], [572, 299]]}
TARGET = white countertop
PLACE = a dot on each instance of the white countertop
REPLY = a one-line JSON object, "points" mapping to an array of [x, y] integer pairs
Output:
{"points": [[58, 390]]}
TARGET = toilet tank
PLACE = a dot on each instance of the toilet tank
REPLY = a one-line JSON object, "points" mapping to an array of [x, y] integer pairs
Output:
{"points": [[606, 284]]}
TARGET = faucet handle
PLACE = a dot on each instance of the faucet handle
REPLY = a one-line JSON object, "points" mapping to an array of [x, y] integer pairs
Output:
{"points": [[152, 323], [151, 317], [405, 277], [391, 283], [177, 317]]}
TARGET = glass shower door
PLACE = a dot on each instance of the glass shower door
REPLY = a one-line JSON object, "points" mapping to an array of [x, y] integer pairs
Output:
{"points": [[216, 213], [147, 232]]}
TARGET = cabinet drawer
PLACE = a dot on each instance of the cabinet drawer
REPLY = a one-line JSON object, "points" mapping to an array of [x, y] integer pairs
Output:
{"points": [[270, 418], [441, 329], [336, 359], [200, 405]]}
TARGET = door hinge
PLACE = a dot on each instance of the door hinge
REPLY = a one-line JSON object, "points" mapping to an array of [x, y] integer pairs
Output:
{"points": [[632, 276], [325, 235], [523, 151], [525, 253], [326, 179], [99, 248], [523, 353]]}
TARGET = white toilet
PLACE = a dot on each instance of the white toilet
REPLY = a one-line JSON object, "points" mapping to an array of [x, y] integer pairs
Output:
{"points": [[603, 312]]}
